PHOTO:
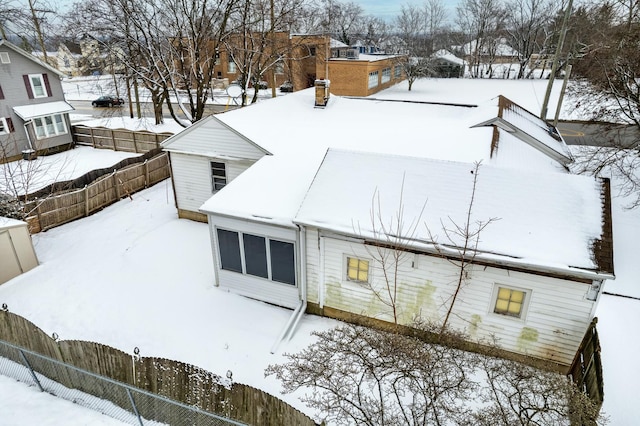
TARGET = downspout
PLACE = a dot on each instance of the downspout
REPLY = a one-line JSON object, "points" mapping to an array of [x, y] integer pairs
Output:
{"points": [[26, 131], [289, 329], [321, 289]]}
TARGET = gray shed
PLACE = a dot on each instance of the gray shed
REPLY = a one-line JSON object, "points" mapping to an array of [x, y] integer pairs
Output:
{"points": [[16, 249]]}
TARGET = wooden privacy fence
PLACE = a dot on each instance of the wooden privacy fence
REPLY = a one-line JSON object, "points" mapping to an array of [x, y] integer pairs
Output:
{"points": [[117, 139], [176, 380], [55, 210], [586, 370]]}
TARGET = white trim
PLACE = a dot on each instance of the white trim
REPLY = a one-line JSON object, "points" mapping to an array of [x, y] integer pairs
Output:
{"points": [[4, 58], [27, 112], [49, 130], [4, 126], [44, 94]]}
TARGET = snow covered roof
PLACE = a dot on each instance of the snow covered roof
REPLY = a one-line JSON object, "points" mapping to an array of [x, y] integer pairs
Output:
{"points": [[7, 222], [530, 129], [448, 56], [544, 221], [499, 46], [27, 112], [298, 135], [198, 139]]}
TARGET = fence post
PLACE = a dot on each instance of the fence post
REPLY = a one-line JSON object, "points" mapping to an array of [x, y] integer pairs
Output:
{"points": [[33, 374], [133, 405], [135, 145], [86, 200], [113, 139], [146, 173], [93, 138], [115, 184]]}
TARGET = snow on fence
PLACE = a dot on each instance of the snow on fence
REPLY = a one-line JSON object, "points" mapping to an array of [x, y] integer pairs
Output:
{"points": [[117, 139], [65, 363], [55, 210]]}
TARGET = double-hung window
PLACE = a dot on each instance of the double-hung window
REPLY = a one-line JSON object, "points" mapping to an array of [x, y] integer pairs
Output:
{"points": [[373, 79], [257, 256], [38, 85], [231, 67], [5, 127], [49, 126], [218, 176], [386, 75]]}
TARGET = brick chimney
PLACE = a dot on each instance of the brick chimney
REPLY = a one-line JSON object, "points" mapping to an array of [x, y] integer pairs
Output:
{"points": [[322, 92]]}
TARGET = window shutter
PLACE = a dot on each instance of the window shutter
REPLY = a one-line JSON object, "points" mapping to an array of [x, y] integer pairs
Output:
{"points": [[45, 77], [10, 124], [1, 94], [28, 86]]}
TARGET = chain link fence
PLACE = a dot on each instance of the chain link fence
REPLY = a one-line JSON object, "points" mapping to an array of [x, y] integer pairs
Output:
{"points": [[114, 399]]}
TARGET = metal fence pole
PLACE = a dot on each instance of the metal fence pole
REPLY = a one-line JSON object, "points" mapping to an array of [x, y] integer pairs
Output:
{"points": [[33, 374], [135, 409]]}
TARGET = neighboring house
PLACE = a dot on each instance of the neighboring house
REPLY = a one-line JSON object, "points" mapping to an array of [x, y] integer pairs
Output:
{"points": [[33, 113], [490, 50], [304, 60], [69, 58], [445, 64], [295, 227]]}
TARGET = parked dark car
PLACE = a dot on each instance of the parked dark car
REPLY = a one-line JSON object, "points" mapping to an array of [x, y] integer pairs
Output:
{"points": [[287, 86], [107, 101]]}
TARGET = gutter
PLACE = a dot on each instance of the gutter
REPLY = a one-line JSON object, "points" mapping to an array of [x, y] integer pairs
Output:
{"points": [[290, 328]]}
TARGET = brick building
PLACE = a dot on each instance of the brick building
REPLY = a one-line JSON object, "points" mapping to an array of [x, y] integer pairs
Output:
{"points": [[302, 59]]}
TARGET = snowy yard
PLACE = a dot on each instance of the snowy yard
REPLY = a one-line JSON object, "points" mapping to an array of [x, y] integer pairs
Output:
{"points": [[134, 275]]}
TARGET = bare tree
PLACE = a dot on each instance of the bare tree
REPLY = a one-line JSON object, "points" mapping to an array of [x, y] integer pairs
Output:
{"points": [[412, 43], [610, 92], [527, 21], [168, 44], [389, 250], [460, 245], [482, 22], [358, 375]]}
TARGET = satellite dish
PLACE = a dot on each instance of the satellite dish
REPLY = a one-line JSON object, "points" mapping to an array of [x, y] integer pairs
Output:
{"points": [[234, 90]]}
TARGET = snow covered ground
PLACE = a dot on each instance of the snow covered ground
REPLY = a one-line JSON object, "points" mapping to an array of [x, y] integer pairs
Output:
{"points": [[136, 275]]}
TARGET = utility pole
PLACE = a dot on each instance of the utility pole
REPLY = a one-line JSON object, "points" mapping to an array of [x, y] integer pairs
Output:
{"points": [[556, 59]]}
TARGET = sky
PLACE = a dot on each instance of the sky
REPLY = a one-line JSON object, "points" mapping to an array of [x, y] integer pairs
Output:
{"points": [[134, 234], [387, 10]]}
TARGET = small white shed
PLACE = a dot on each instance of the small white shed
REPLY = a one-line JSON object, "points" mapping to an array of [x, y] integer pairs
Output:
{"points": [[16, 249]]}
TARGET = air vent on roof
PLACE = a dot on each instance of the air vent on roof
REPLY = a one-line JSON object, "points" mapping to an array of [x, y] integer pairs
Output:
{"points": [[4, 58]]}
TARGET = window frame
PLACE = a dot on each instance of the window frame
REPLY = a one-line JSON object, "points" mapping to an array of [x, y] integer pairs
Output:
{"points": [[386, 75], [45, 93], [43, 132], [268, 256], [347, 268], [4, 126], [218, 181], [397, 71], [524, 305], [373, 80], [5, 58], [232, 67]]}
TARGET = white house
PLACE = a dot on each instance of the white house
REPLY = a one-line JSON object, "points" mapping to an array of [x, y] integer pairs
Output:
{"points": [[295, 228]]}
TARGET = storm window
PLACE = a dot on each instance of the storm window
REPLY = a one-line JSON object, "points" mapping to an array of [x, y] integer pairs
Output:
{"points": [[258, 256]]}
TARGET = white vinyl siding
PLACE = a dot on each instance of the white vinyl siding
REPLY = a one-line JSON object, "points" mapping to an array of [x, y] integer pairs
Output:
{"points": [[280, 294], [557, 313], [192, 178], [211, 137]]}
